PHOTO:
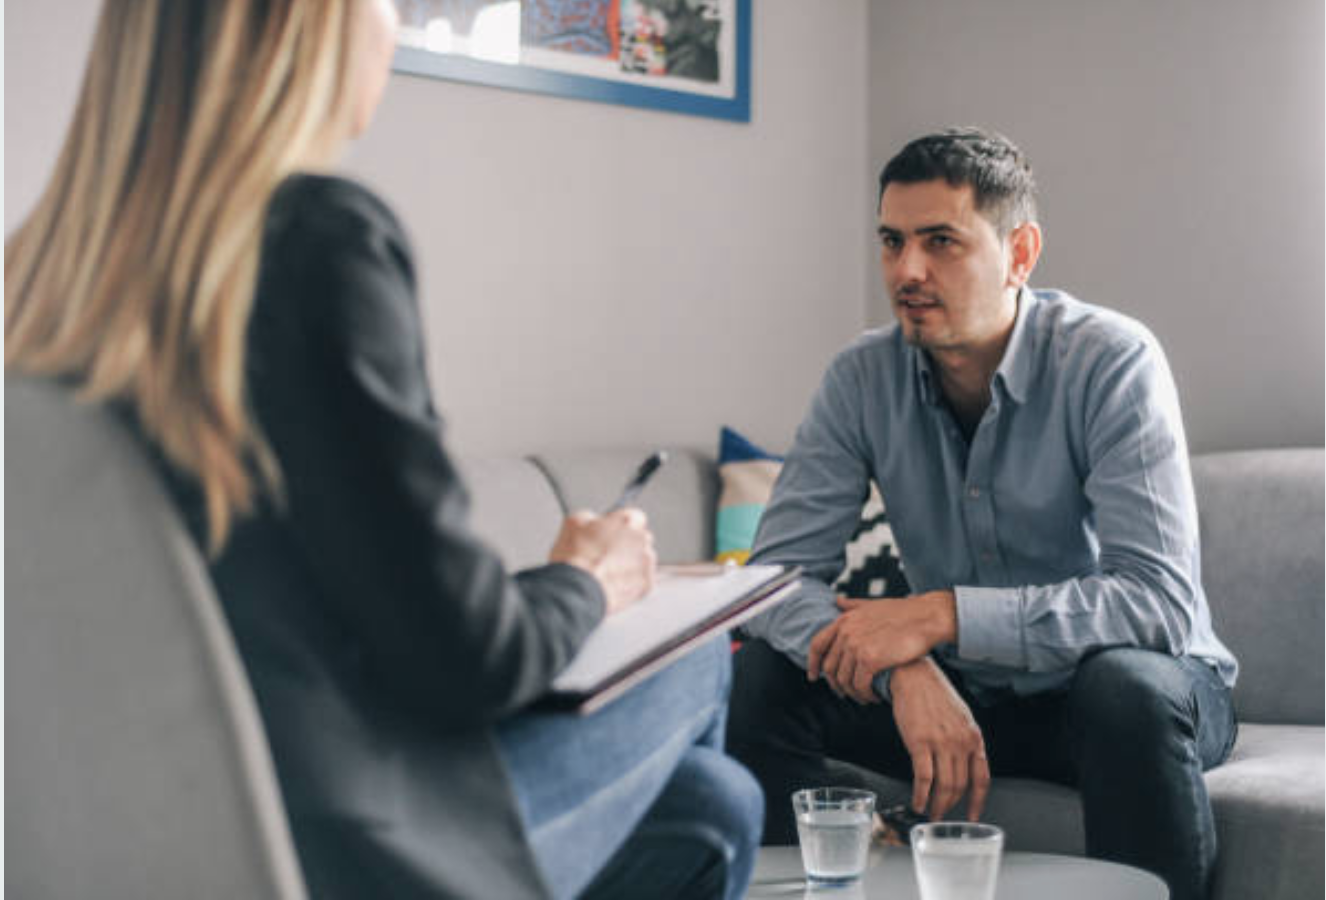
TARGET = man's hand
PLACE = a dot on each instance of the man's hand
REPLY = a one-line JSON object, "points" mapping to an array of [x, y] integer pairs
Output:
{"points": [[945, 743], [873, 635], [616, 548]]}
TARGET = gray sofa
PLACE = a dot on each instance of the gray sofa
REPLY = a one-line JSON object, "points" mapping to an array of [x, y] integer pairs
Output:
{"points": [[1263, 531], [137, 767]]}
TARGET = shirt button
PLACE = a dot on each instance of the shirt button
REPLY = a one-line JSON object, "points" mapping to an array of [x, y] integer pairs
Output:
{"points": [[987, 557], [974, 493]]}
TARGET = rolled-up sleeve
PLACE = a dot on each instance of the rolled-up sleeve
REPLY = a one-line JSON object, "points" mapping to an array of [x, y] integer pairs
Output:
{"points": [[1144, 590]]}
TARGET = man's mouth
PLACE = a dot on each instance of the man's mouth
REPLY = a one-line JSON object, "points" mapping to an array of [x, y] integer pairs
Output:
{"points": [[918, 303]]}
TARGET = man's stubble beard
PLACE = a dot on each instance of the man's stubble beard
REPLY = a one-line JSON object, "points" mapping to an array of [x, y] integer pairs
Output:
{"points": [[913, 336]]}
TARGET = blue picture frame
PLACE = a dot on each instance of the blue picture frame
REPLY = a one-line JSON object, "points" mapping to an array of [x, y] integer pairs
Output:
{"points": [[520, 76]]}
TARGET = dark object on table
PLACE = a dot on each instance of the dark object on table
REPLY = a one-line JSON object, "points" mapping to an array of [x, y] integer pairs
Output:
{"points": [[898, 822]]}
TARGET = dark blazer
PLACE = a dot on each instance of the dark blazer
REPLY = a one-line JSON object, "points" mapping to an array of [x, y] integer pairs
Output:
{"points": [[382, 637]]}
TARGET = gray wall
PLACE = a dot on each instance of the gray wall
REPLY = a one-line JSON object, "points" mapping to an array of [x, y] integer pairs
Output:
{"points": [[44, 57], [603, 275], [600, 274], [1179, 150], [592, 274]]}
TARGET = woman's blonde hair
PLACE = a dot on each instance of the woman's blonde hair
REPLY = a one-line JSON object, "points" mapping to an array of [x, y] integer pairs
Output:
{"points": [[134, 275]]}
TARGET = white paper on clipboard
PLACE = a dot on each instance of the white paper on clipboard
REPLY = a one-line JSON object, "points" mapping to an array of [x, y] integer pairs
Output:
{"points": [[681, 611]]}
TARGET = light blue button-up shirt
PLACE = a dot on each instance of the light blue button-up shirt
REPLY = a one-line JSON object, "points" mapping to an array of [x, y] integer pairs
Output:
{"points": [[1066, 525]]}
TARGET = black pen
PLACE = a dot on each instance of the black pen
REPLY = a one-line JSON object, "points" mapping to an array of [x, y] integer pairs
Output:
{"points": [[640, 479]]}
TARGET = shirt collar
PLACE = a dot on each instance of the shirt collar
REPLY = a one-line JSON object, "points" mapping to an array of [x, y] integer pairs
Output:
{"points": [[1014, 369]]}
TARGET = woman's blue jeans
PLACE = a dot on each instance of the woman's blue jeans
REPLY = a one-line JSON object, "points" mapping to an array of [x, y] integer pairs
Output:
{"points": [[638, 799]]}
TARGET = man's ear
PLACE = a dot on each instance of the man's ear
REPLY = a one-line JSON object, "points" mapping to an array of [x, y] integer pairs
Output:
{"points": [[1024, 249]]}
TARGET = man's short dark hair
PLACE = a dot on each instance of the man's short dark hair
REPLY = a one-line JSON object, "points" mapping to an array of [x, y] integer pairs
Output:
{"points": [[998, 172]]}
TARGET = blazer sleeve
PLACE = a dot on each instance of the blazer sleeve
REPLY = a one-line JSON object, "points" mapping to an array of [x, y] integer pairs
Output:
{"points": [[373, 498]]}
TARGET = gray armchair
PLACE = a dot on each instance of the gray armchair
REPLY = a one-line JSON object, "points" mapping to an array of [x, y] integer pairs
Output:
{"points": [[136, 764]]}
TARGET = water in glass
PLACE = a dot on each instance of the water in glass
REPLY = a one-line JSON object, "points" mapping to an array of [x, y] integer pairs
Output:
{"points": [[956, 860], [834, 842]]}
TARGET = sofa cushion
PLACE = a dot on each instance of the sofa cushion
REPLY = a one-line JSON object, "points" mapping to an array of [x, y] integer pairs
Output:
{"points": [[1262, 516], [1036, 816], [679, 500], [746, 476], [512, 507], [1268, 800], [1269, 808], [872, 567]]}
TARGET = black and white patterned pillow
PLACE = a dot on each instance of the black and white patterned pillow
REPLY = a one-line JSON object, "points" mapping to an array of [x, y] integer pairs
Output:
{"points": [[873, 568]]}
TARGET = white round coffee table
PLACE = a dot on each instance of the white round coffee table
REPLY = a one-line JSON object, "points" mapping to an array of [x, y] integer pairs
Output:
{"points": [[1022, 876]]}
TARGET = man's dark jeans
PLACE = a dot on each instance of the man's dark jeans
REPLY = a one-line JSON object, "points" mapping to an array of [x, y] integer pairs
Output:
{"points": [[1133, 733]]}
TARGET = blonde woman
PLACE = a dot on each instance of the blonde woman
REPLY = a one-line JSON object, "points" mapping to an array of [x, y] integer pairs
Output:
{"points": [[257, 324]]}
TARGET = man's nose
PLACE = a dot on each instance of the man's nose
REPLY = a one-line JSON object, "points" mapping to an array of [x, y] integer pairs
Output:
{"points": [[909, 265]]}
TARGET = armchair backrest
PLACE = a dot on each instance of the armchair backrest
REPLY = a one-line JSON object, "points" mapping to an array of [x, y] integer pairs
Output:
{"points": [[136, 764]]}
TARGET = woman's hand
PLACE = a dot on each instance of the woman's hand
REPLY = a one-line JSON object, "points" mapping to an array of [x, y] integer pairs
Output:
{"points": [[616, 548]]}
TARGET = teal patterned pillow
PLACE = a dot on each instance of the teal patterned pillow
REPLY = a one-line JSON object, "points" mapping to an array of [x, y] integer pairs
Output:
{"points": [[748, 472]]}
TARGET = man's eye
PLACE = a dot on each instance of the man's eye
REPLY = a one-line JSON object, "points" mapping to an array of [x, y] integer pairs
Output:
{"points": [[891, 241], [940, 240]]}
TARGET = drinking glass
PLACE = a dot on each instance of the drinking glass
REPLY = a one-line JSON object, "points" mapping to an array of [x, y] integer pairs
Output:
{"points": [[833, 827], [956, 860]]}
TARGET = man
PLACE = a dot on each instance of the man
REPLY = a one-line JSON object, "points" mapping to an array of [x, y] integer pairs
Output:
{"points": [[1031, 455]]}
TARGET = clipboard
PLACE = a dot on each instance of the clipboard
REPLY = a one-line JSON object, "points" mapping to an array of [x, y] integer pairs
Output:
{"points": [[688, 606]]}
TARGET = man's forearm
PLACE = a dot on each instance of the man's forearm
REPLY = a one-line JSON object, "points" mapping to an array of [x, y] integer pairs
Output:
{"points": [[875, 635], [942, 618], [944, 627]]}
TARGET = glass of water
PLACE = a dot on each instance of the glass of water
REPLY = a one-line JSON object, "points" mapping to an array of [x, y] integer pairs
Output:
{"points": [[956, 860], [833, 826]]}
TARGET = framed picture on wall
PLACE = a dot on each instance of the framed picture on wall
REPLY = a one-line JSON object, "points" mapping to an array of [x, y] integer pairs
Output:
{"points": [[686, 56]]}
